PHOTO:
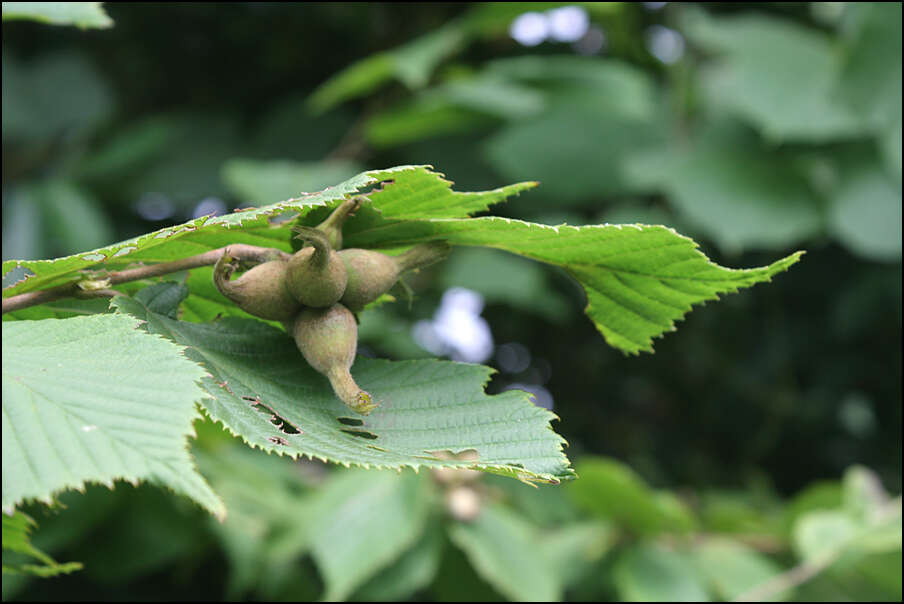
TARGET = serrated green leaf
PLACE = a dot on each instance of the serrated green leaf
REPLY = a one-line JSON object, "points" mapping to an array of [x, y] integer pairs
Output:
{"points": [[81, 14], [505, 551], [262, 390], [419, 193], [94, 399], [16, 538], [362, 521], [639, 279], [414, 192]]}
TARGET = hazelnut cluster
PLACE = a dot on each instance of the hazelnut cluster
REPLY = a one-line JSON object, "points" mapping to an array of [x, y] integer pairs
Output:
{"points": [[315, 291]]}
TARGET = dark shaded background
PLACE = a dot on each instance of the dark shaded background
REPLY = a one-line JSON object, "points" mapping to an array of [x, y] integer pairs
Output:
{"points": [[773, 388]]}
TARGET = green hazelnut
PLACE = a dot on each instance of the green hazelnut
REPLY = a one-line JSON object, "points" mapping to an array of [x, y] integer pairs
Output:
{"points": [[260, 291], [315, 275], [328, 339], [371, 274]]}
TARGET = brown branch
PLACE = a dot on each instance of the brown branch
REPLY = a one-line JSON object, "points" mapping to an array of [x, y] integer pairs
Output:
{"points": [[249, 254]]}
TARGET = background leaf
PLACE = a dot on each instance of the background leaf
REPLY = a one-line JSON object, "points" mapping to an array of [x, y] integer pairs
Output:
{"points": [[650, 573], [363, 520], [777, 75], [612, 491], [733, 569], [504, 551], [265, 182], [16, 530]]}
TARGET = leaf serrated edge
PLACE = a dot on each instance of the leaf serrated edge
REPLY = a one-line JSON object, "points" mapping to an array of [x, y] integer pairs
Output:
{"points": [[779, 266], [510, 471], [227, 221]]}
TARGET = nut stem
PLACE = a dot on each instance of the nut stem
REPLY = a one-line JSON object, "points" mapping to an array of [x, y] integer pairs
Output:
{"points": [[319, 240], [346, 389]]}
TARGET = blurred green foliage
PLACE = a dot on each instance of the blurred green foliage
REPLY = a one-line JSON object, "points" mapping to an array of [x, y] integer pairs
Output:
{"points": [[735, 453]]}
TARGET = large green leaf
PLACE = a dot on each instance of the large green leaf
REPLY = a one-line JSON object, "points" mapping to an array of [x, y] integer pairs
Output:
{"points": [[408, 192], [262, 389], [81, 14], [639, 279], [94, 399]]}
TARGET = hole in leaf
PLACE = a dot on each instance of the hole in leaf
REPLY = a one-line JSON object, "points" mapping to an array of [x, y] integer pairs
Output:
{"points": [[361, 434], [350, 421], [281, 423], [278, 440]]}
